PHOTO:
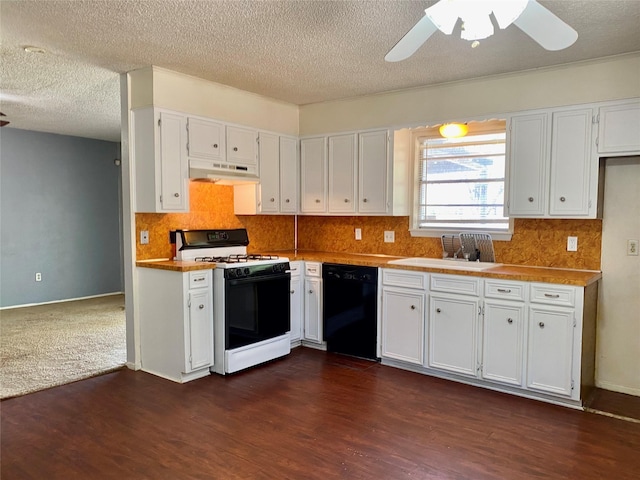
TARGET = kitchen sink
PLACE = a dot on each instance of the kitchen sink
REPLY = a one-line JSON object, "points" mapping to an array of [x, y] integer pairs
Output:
{"points": [[449, 264]]}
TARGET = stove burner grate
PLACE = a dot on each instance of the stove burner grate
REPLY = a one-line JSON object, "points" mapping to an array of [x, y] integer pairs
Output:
{"points": [[237, 258]]}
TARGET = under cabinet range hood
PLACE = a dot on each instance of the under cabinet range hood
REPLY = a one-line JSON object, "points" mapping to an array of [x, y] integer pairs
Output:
{"points": [[222, 173]]}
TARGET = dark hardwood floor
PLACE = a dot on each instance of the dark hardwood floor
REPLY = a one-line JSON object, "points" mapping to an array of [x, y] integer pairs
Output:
{"points": [[311, 415]]}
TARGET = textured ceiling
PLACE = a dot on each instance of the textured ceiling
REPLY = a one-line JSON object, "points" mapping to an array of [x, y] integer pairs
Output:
{"points": [[300, 51]]}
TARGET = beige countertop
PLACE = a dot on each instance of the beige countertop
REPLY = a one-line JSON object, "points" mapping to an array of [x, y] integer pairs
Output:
{"points": [[506, 272]]}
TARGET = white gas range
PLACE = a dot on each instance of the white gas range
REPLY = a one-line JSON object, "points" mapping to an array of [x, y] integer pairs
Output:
{"points": [[251, 299]]}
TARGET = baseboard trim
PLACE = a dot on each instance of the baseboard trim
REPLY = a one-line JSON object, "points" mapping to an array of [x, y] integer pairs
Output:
{"points": [[61, 301], [618, 388]]}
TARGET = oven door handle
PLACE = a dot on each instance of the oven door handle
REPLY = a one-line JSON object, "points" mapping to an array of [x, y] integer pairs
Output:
{"points": [[266, 278]]}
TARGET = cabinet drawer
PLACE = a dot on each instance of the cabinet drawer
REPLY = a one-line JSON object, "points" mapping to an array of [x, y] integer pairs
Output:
{"points": [[553, 294], [455, 284], [505, 290], [199, 279], [296, 268], [312, 269], [404, 278]]}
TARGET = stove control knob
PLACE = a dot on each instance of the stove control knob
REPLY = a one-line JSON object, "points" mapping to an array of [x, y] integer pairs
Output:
{"points": [[245, 271], [231, 273]]}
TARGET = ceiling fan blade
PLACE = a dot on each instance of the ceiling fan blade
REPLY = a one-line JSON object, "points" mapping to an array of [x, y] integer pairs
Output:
{"points": [[545, 27], [412, 40]]}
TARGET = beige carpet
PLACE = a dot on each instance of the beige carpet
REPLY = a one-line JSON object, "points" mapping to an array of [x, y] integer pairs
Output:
{"points": [[49, 345]]}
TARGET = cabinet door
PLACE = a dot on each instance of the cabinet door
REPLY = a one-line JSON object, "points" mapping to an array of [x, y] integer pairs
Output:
{"points": [[528, 157], [453, 334], [342, 173], [206, 139], [571, 163], [550, 350], [619, 128], [288, 175], [312, 310], [403, 317], [173, 163], [269, 150], [297, 311], [313, 173], [242, 146], [503, 342], [373, 169], [200, 346]]}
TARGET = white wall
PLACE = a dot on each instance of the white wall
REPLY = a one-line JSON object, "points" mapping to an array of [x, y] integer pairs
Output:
{"points": [[609, 79], [618, 338]]}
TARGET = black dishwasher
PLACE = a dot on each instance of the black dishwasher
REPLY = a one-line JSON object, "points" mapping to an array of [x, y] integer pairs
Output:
{"points": [[350, 298]]}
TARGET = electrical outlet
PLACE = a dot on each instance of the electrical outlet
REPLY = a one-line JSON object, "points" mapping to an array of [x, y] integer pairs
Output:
{"points": [[38, 277], [572, 244], [144, 237], [632, 247], [358, 234], [389, 236]]}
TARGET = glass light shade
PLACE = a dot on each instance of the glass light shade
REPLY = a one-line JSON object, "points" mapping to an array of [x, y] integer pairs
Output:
{"points": [[453, 130]]}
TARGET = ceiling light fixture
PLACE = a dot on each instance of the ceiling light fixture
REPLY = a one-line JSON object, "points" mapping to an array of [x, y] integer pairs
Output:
{"points": [[32, 49], [475, 15], [453, 130]]}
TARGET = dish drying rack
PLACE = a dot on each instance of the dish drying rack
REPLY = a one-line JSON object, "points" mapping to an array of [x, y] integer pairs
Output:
{"points": [[468, 246]]}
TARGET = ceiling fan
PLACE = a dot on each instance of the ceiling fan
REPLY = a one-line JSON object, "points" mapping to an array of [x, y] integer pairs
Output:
{"points": [[532, 18], [3, 122]]}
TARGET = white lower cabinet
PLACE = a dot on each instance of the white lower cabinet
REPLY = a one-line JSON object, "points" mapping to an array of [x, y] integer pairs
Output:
{"points": [[503, 342], [312, 303], [453, 333], [551, 335], [403, 310], [176, 323], [297, 302]]}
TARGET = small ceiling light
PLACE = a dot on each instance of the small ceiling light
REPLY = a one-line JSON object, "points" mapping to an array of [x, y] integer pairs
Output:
{"points": [[32, 49], [475, 15], [453, 130]]}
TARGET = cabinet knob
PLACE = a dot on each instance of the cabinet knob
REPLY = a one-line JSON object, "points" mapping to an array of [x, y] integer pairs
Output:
{"points": [[201, 306], [346, 200], [310, 291], [509, 321], [215, 145], [365, 200], [317, 200], [176, 195], [438, 310], [562, 199], [272, 200], [531, 199], [413, 307], [235, 149], [541, 324], [287, 200], [292, 292]]}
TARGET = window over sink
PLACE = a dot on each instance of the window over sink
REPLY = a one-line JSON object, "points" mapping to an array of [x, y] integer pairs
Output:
{"points": [[459, 183]]}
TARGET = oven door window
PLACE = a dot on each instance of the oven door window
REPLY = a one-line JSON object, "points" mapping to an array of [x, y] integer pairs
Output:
{"points": [[256, 309]]}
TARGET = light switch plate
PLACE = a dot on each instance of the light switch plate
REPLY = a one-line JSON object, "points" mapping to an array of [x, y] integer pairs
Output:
{"points": [[389, 236]]}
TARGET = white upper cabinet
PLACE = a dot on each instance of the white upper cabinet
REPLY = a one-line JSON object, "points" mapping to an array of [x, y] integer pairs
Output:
{"points": [[242, 146], [206, 139], [289, 175], [160, 161], [313, 173], [269, 150], [373, 172], [343, 170], [572, 165], [528, 162], [619, 129], [552, 168]]}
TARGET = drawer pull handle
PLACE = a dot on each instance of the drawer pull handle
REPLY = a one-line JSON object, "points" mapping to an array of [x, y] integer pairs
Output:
{"points": [[292, 292], [235, 149], [509, 321], [531, 199], [438, 310], [272, 199], [346, 200], [310, 291], [176, 195], [215, 145], [562, 199], [287, 200], [541, 324], [504, 290], [317, 200], [413, 307], [201, 306], [552, 295], [198, 279], [365, 200]]}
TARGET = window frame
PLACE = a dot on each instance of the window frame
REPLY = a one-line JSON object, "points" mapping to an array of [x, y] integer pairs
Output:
{"points": [[475, 127]]}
